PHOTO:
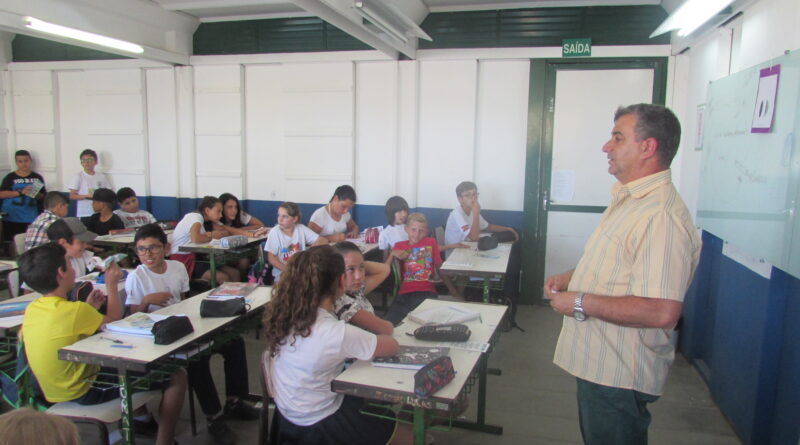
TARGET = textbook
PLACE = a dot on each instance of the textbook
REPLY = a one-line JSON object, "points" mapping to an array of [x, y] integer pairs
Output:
{"points": [[411, 357], [232, 290], [140, 323], [12, 309], [443, 315]]}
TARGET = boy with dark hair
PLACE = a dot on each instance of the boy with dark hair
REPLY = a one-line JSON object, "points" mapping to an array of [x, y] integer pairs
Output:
{"points": [[159, 282], [104, 220], [51, 322], [130, 213], [21, 200], [85, 182], [56, 206]]}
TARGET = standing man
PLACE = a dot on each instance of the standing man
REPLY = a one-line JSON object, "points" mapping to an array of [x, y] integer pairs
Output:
{"points": [[626, 293], [22, 192]]}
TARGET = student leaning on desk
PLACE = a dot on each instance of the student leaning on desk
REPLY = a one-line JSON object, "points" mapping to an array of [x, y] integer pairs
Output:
{"points": [[51, 322]]}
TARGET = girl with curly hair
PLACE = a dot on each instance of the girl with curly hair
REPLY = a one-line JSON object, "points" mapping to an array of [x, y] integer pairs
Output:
{"points": [[308, 346]]}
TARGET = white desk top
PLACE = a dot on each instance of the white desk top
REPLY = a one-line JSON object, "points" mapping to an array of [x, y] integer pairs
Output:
{"points": [[473, 262], [125, 238], [209, 247], [98, 350], [8, 265], [362, 375], [13, 322]]}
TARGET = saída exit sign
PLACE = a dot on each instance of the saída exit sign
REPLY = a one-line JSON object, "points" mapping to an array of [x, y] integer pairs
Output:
{"points": [[576, 48]]}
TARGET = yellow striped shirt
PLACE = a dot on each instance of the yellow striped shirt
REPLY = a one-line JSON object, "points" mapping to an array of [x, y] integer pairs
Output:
{"points": [[645, 245]]}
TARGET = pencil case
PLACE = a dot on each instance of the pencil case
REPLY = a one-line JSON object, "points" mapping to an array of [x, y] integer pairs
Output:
{"points": [[445, 332], [433, 376], [222, 308], [171, 329], [229, 242]]}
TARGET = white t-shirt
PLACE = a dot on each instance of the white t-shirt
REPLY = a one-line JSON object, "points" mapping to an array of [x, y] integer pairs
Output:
{"points": [[391, 235], [143, 281], [245, 217], [459, 225], [183, 231], [85, 184], [137, 219], [322, 218], [284, 247], [302, 373]]}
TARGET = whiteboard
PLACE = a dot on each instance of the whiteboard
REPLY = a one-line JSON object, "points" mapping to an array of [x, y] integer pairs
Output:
{"points": [[749, 182]]}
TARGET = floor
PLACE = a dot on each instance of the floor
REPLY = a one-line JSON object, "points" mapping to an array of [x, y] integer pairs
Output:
{"points": [[533, 400]]}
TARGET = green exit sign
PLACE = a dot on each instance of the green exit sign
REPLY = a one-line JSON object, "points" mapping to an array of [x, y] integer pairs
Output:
{"points": [[576, 48]]}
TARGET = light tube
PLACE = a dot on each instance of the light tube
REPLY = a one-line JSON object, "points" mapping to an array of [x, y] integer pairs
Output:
{"points": [[690, 16], [72, 33]]}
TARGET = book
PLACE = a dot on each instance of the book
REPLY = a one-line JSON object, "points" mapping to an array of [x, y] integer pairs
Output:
{"points": [[232, 290], [411, 357], [35, 188], [12, 309], [103, 263], [443, 315], [139, 323]]}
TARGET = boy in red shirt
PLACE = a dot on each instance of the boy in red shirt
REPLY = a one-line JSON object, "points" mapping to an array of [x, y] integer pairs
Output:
{"points": [[419, 262]]}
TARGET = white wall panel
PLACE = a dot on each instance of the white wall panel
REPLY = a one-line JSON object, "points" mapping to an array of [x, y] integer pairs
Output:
{"points": [[73, 137], [33, 113], [32, 82], [219, 155], [114, 113], [218, 114], [502, 133], [33, 122], [376, 131], [162, 133], [184, 91], [318, 158], [407, 130], [264, 133], [446, 129]]}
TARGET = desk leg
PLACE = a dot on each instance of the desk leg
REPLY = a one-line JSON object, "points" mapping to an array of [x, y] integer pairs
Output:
{"points": [[419, 426], [127, 407], [212, 264], [486, 291], [480, 423]]}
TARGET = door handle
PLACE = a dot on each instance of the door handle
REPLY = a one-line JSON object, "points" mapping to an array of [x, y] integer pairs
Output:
{"points": [[544, 200]]}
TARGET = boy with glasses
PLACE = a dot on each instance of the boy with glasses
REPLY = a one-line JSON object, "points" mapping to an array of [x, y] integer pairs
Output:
{"points": [[160, 282], [85, 182]]}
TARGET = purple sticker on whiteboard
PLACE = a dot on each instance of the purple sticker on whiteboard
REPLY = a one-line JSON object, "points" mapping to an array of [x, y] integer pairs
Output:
{"points": [[764, 112]]}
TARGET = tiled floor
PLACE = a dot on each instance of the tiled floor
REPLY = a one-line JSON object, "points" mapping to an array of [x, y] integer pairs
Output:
{"points": [[533, 400]]}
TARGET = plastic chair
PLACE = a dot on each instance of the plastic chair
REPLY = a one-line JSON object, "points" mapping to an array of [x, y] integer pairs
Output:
{"points": [[267, 433], [19, 245]]}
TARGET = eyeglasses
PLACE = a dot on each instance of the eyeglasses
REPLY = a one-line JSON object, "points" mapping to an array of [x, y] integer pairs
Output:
{"points": [[87, 160], [155, 248], [470, 195]]}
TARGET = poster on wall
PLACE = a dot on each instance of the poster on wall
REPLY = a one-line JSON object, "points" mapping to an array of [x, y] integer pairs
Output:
{"points": [[764, 112]]}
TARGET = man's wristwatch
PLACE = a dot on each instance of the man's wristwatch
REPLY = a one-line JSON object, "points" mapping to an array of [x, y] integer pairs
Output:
{"points": [[578, 313]]}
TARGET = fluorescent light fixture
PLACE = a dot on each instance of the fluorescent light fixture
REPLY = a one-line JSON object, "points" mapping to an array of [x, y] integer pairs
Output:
{"points": [[373, 17], [72, 33], [690, 16]]}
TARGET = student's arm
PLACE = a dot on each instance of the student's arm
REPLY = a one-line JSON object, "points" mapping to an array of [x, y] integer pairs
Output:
{"points": [[157, 298], [352, 229], [386, 347], [254, 224], [237, 231], [368, 321], [453, 246], [449, 283], [114, 307], [321, 241], [73, 195], [198, 237], [375, 274], [313, 226], [275, 262], [475, 226], [5, 188]]}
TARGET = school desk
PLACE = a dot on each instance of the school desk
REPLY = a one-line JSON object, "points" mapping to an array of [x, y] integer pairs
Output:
{"points": [[219, 255], [470, 262]]}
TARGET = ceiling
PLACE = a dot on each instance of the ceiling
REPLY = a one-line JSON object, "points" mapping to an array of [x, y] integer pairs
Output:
{"points": [[225, 10]]}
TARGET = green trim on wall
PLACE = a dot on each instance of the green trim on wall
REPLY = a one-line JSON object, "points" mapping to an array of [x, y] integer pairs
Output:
{"points": [[575, 209], [33, 49]]}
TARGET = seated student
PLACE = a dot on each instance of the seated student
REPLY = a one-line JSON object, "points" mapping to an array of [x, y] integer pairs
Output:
{"points": [[308, 347], [360, 278], [236, 220], [55, 206], [465, 223], [396, 210], [72, 235], [104, 219], [159, 282], [334, 220], [26, 425], [130, 213], [191, 229], [51, 323], [419, 260], [288, 237]]}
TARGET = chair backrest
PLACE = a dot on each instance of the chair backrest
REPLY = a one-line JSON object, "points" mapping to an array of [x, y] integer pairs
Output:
{"points": [[19, 244], [438, 233], [264, 429]]}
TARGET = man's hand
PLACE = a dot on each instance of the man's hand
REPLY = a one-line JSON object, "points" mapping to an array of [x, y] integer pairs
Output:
{"points": [[563, 302], [476, 207], [556, 283], [96, 298], [113, 275]]}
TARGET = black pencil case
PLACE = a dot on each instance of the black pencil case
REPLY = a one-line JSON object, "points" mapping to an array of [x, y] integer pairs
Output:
{"points": [[223, 308], [433, 376], [445, 332], [171, 328]]}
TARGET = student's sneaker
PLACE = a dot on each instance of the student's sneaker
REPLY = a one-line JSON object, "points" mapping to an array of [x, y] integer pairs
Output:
{"points": [[221, 432], [239, 409]]}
